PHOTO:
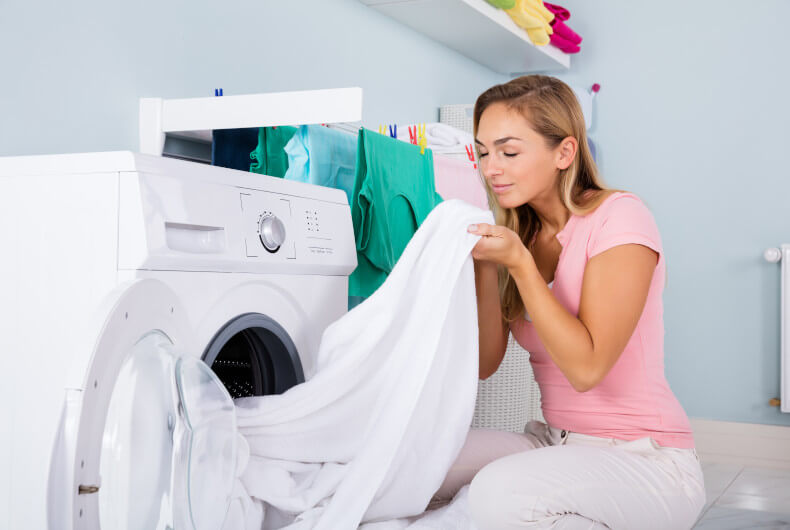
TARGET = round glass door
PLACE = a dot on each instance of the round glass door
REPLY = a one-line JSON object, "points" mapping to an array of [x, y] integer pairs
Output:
{"points": [[207, 463], [168, 453], [137, 445]]}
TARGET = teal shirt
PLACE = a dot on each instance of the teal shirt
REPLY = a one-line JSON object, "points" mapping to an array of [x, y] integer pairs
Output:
{"points": [[269, 156], [393, 193]]}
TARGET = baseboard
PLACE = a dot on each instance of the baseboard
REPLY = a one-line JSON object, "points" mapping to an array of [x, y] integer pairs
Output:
{"points": [[749, 444]]}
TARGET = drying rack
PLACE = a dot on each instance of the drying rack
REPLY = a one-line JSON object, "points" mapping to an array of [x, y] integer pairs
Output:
{"points": [[197, 117]]}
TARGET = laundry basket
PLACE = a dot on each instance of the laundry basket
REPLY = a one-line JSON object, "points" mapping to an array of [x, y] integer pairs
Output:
{"points": [[459, 116], [510, 398]]}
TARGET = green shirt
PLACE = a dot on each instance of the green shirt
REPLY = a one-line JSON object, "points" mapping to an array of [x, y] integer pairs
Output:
{"points": [[270, 156], [393, 193]]}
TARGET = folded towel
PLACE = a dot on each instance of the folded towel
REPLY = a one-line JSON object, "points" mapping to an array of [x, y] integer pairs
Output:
{"points": [[443, 135], [564, 32], [563, 37], [502, 4], [564, 45], [560, 13], [440, 136], [533, 16], [371, 435]]}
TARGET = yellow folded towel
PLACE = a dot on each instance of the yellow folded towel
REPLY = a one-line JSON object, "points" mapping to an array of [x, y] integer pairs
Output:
{"points": [[533, 16]]}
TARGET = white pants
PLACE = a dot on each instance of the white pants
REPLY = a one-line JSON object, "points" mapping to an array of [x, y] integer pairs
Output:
{"points": [[548, 478]]}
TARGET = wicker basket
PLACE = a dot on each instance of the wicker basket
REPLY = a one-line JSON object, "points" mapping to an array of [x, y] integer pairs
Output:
{"points": [[459, 116], [510, 398]]}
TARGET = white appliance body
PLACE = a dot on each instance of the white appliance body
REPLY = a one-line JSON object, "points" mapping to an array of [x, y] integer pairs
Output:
{"points": [[109, 257]]}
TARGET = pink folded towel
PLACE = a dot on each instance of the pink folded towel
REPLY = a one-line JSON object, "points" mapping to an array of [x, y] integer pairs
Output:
{"points": [[563, 37], [560, 13]]}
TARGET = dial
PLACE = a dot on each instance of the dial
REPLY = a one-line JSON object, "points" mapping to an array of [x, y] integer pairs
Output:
{"points": [[271, 231]]}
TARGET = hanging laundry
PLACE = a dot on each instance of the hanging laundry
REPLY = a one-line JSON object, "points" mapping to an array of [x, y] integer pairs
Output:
{"points": [[231, 147], [458, 179], [393, 193], [322, 156], [563, 37], [533, 16], [269, 154], [371, 435], [440, 136]]}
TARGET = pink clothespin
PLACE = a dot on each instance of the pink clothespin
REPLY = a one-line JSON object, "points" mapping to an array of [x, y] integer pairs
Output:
{"points": [[413, 135], [470, 152]]}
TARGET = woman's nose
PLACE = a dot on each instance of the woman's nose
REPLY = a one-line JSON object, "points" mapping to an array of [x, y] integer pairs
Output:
{"points": [[491, 169]]}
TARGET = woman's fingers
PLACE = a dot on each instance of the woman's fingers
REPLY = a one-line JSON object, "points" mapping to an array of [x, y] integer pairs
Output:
{"points": [[482, 229]]}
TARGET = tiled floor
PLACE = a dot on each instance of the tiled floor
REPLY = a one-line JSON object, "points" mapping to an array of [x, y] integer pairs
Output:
{"points": [[740, 497]]}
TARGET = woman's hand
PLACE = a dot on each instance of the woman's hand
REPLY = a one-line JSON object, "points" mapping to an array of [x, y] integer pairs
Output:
{"points": [[498, 244]]}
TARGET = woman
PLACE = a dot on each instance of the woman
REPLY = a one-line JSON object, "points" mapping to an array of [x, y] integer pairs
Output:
{"points": [[575, 271]]}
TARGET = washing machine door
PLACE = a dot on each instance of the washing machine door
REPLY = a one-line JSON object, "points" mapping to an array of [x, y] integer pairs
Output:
{"points": [[154, 436]]}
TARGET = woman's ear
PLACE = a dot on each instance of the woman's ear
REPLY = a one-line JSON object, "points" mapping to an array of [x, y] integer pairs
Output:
{"points": [[566, 152]]}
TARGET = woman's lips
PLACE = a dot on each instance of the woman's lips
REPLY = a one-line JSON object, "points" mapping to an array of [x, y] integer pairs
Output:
{"points": [[501, 188]]}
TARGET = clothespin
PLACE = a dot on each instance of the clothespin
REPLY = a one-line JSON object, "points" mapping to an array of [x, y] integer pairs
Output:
{"points": [[394, 131], [383, 130], [423, 140], [413, 135], [217, 91], [470, 152]]}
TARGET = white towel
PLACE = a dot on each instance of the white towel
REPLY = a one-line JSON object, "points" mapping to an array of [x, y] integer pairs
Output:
{"points": [[440, 136], [371, 436]]}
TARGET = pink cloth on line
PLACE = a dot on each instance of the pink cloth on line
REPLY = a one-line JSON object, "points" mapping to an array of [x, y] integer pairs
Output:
{"points": [[634, 399], [458, 179]]}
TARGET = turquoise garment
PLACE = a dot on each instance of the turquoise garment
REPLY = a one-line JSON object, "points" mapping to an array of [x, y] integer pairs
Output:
{"points": [[269, 156], [393, 193], [323, 156]]}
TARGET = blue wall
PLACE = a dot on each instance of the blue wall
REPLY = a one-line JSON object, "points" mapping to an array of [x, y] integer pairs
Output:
{"points": [[691, 116], [72, 72]]}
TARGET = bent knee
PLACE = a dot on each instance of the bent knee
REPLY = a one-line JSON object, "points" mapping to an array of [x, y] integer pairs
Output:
{"points": [[493, 503]]}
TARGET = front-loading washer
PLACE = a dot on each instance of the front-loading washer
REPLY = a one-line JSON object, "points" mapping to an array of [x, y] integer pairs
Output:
{"points": [[139, 295]]}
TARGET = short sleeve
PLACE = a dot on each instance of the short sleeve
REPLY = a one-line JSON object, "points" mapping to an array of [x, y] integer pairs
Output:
{"points": [[624, 220]]}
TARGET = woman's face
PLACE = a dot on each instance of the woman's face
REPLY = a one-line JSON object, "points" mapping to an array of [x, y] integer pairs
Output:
{"points": [[514, 159]]}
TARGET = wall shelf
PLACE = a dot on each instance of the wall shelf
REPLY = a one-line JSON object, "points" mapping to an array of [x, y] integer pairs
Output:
{"points": [[195, 118], [478, 30]]}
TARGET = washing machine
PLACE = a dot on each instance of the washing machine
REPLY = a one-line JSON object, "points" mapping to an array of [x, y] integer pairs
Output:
{"points": [[140, 294]]}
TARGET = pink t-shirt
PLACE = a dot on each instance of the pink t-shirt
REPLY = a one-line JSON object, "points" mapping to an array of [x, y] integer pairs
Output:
{"points": [[634, 399]]}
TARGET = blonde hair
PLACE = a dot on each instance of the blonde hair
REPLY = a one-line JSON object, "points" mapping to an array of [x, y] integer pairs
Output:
{"points": [[552, 110]]}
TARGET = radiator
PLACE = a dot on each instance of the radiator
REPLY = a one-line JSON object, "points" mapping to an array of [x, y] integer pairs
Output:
{"points": [[775, 255]]}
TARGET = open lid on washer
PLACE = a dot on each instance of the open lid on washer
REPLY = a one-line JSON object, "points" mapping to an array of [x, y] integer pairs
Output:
{"points": [[168, 450]]}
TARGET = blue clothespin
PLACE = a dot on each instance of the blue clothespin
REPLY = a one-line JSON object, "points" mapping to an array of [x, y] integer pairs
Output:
{"points": [[217, 91], [394, 131]]}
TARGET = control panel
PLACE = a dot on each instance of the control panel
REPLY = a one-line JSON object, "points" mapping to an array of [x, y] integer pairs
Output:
{"points": [[280, 227]]}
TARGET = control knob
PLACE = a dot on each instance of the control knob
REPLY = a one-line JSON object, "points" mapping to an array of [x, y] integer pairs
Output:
{"points": [[271, 231]]}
